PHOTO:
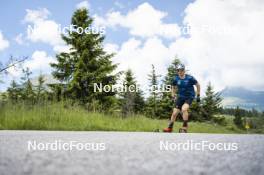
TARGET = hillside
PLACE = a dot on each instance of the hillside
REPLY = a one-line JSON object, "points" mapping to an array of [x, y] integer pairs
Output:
{"points": [[244, 98]]}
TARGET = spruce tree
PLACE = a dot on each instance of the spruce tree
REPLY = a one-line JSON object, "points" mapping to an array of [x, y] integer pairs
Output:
{"points": [[166, 102], [86, 64], [211, 103], [132, 100], [152, 106], [171, 71], [40, 89], [58, 92], [28, 93], [139, 101], [13, 92]]}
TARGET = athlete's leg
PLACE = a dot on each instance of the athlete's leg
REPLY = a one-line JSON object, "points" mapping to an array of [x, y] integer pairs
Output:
{"points": [[172, 120], [185, 115], [176, 111], [174, 114]]}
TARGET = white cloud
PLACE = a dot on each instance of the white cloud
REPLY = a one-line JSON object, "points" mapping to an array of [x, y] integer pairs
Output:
{"points": [[111, 48], [42, 29], [14, 72], [62, 48], [138, 56], [3, 42], [46, 32], [39, 62], [36, 15], [83, 4], [234, 59], [144, 21]]}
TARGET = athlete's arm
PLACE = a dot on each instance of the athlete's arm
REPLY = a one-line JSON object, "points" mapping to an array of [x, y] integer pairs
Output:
{"points": [[173, 91]]}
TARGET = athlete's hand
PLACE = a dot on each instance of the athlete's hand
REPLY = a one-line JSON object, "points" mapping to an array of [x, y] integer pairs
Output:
{"points": [[198, 100]]}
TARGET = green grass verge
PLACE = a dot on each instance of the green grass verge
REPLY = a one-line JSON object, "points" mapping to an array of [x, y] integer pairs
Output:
{"points": [[65, 117]]}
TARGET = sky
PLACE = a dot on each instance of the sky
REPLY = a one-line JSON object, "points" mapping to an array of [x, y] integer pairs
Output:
{"points": [[219, 41]]}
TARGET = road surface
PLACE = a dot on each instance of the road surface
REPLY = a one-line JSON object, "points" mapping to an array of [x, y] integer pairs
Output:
{"points": [[121, 153]]}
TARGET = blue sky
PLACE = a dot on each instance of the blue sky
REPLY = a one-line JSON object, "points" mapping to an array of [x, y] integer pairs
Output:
{"points": [[142, 33]]}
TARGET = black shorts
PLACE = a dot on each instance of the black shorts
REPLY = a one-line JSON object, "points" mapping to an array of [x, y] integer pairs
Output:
{"points": [[180, 102]]}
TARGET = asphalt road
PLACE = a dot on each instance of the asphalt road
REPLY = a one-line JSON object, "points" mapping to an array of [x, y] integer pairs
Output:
{"points": [[124, 153]]}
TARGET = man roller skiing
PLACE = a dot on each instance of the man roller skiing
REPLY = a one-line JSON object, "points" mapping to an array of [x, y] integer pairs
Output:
{"points": [[183, 84]]}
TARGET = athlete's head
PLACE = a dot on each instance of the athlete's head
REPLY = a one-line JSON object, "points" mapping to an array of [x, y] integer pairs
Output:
{"points": [[180, 69]]}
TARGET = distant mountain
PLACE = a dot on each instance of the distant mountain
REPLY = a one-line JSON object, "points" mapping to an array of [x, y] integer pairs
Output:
{"points": [[244, 98]]}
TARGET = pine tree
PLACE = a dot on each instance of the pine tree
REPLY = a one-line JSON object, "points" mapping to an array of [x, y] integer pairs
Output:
{"points": [[211, 103], [28, 93], [58, 92], [152, 106], [132, 100], [13, 91], [40, 89], [166, 102], [171, 71], [86, 64], [139, 101]]}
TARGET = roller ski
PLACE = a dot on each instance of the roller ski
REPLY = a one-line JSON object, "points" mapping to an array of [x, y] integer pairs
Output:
{"points": [[182, 130]]}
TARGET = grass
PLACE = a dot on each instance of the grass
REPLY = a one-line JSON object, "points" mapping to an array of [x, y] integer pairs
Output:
{"points": [[62, 116]]}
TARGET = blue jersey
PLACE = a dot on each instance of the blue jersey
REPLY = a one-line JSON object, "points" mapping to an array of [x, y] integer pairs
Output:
{"points": [[185, 86]]}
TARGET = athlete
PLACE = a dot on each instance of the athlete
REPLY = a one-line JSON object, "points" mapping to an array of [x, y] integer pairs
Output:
{"points": [[183, 84]]}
